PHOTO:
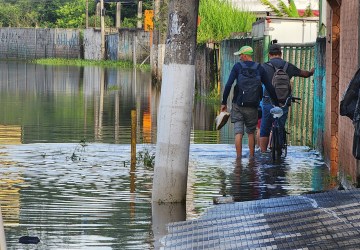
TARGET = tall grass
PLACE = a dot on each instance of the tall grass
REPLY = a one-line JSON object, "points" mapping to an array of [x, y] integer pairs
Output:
{"points": [[83, 62], [218, 19]]}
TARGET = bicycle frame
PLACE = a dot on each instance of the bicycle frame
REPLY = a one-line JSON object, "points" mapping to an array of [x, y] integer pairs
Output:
{"points": [[279, 144]]}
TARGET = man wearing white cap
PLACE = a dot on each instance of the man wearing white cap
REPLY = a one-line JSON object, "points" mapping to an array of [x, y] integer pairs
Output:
{"points": [[247, 94]]}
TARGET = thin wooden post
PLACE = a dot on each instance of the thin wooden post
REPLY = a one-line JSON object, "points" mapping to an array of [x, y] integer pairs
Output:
{"points": [[2, 233], [134, 49], [133, 140]]}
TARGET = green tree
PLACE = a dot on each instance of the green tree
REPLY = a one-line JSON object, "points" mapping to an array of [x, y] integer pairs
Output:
{"points": [[9, 15], [29, 13], [46, 10], [71, 15]]}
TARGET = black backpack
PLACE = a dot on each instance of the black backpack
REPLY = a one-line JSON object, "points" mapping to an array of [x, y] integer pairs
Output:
{"points": [[249, 85], [281, 82]]}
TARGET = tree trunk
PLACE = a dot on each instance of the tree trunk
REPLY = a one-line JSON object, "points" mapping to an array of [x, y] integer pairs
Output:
{"points": [[176, 104]]}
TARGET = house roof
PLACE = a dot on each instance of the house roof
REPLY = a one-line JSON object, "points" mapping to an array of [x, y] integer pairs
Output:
{"points": [[257, 6]]}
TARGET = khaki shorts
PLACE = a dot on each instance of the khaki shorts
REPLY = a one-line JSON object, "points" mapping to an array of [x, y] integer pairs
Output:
{"points": [[244, 117]]}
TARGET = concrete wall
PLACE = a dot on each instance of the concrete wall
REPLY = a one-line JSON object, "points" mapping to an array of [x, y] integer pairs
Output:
{"points": [[342, 62], [92, 44], [30, 43]]}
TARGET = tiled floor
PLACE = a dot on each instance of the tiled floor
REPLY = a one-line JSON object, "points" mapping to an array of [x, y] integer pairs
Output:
{"points": [[329, 220]]}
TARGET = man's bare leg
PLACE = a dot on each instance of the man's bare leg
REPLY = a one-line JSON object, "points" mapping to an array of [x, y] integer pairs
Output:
{"points": [[251, 141], [264, 141], [238, 145]]}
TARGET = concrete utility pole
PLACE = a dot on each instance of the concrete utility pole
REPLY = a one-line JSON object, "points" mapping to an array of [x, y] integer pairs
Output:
{"points": [[102, 27], [139, 15], [157, 50], [118, 15], [176, 104]]}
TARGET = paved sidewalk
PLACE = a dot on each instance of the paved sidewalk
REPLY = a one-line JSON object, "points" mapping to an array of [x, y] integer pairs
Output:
{"points": [[329, 220]]}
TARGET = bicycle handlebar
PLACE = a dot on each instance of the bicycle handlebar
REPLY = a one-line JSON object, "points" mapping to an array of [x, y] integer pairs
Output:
{"points": [[293, 99]]}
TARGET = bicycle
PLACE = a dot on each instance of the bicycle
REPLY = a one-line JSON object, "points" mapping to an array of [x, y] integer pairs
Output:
{"points": [[278, 140]]}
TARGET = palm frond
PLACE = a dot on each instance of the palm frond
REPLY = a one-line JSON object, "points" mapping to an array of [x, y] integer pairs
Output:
{"points": [[272, 7], [284, 8], [292, 8], [308, 12]]}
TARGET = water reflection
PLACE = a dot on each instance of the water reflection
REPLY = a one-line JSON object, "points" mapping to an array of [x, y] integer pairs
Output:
{"points": [[68, 104], [65, 165]]}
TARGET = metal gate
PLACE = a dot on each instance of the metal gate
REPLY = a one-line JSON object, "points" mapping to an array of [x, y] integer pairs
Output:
{"points": [[300, 119]]}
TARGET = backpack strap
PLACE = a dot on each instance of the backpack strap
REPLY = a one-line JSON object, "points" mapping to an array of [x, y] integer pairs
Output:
{"points": [[271, 65], [285, 67]]}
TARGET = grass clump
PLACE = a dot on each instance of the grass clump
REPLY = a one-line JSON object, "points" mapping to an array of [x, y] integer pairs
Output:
{"points": [[83, 62], [218, 19]]}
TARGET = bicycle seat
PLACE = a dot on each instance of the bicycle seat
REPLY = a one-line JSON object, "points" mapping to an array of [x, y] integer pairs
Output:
{"points": [[276, 112]]}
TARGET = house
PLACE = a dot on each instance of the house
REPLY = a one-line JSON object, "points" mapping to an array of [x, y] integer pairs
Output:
{"points": [[261, 10], [302, 30], [342, 61]]}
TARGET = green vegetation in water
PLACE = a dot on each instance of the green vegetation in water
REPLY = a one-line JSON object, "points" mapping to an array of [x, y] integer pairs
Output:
{"points": [[219, 19], [212, 97], [83, 62], [146, 157], [75, 157], [113, 88]]}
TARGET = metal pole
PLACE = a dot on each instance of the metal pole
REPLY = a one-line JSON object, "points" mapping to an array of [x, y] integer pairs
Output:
{"points": [[102, 27]]}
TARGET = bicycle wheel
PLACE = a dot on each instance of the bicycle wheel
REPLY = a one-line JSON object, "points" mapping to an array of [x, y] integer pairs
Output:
{"points": [[274, 142], [285, 143]]}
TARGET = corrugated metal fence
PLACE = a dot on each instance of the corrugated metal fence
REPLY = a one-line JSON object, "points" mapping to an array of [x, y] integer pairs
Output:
{"points": [[301, 118]]}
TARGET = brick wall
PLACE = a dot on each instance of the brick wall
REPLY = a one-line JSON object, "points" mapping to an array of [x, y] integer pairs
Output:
{"points": [[342, 63], [348, 65]]}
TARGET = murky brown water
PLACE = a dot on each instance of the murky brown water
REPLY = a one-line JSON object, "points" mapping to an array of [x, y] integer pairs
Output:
{"points": [[65, 160]]}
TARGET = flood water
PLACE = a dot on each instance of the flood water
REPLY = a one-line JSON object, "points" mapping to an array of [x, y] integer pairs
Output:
{"points": [[65, 160]]}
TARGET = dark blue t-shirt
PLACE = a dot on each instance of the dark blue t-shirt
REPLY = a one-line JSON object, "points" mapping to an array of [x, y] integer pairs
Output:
{"points": [[233, 75], [292, 70]]}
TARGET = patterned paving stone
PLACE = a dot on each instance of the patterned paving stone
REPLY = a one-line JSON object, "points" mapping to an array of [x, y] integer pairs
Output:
{"points": [[329, 220]]}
